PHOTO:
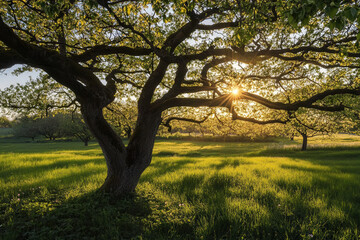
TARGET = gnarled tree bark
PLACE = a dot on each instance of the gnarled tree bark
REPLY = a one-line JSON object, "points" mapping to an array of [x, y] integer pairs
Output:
{"points": [[124, 164]]}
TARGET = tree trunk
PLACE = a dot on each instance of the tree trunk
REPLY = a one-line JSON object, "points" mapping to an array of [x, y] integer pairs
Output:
{"points": [[124, 164], [86, 143], [304, 142]]}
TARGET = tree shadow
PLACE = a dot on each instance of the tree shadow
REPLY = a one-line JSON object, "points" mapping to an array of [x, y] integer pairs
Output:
{"points": [[164, 166], [93, 215], [344, 159], [229, 163], [212, 208], [26, 172], [326, 204]]}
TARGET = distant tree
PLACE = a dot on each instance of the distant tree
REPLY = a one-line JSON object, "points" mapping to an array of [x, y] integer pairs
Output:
{"points": [[51, 127], [74, 125], [5, 122], [308, 123], [26, 127]]}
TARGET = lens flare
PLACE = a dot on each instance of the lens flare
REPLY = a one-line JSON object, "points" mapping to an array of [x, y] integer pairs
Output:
{"points": [[235, 91]]}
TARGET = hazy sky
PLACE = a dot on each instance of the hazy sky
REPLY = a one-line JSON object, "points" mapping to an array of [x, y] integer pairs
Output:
{"points": [[7, 79]]}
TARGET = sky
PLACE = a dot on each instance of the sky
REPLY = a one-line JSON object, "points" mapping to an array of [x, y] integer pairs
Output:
{"points": [[7, 79]]}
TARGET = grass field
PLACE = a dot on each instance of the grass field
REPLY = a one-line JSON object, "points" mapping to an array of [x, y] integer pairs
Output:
{"points": [[192, 190]]}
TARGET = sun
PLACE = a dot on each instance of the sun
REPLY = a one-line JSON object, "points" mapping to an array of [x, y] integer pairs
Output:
{"points": [[235, 91]]}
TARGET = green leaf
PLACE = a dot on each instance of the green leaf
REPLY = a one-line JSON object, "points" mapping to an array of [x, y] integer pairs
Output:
{"points": [[306, 20], [331, 11], [351, 14], [340, 23], [354, 12]]}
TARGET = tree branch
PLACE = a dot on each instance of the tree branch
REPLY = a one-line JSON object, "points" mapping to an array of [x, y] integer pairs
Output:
{"points": [[235, 116], [62, 69], [111, 77], [184, 32], [298, 104], [105, 4], [108, 50], [217, 26], [9, 58], [153, 81], [226, 100], [167, 123], [222, 101]]}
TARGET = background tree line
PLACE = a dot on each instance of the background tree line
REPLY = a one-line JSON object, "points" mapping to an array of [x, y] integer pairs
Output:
{"points": [[211, 126], [52, 113], [52, 127]]}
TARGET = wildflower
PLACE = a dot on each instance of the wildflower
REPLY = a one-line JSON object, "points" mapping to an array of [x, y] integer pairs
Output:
{"points": [[310, 235]]}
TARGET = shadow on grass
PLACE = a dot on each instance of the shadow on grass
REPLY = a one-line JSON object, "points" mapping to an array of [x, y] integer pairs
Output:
{"points": [[328, 205], [26, 172], [229, 163], [219, 213], [343, 159], [163, 167], [213, 210], [41, 210], [91, 216]]}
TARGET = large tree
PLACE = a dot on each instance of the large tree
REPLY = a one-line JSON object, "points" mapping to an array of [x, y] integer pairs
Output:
{"points": [[178, 53]]}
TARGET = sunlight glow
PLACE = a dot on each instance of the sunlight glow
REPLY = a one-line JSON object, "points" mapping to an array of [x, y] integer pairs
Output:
{"points": [[235, 91]]}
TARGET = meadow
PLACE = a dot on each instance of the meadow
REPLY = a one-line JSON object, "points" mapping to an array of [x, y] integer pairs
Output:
{"points": [[192, 190]]}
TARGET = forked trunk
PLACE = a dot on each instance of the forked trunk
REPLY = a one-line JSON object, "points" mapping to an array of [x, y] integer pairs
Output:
{"points": [[124, 164]]}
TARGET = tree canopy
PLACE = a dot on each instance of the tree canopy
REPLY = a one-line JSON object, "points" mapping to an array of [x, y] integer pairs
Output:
{"points": [[259, 61]]}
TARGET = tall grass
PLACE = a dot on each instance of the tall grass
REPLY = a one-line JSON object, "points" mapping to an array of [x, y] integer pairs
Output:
{"points": [[190, 191]]}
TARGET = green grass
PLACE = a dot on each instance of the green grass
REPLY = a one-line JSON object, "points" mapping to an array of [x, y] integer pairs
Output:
{"points": [[192, 190]]}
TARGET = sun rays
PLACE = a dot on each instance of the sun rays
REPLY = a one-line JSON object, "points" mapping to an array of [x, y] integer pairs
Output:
{"points": [[235, 91]]}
